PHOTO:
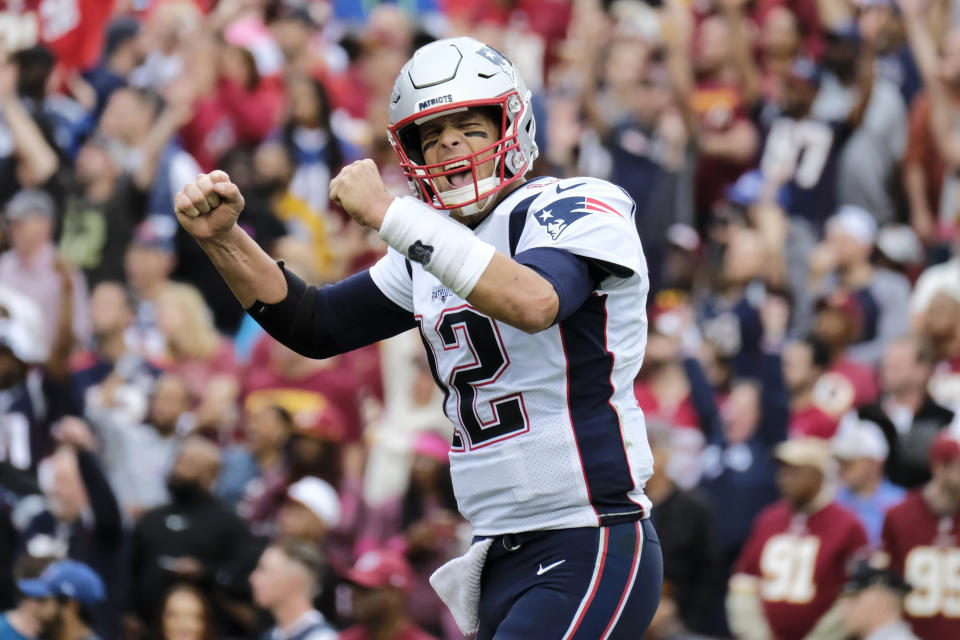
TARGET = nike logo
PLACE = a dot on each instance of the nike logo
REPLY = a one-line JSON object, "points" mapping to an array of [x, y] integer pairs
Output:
{"points": [[573, 186], [543, 569]]}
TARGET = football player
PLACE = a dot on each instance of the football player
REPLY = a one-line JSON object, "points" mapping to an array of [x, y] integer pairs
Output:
{"points": [[530, 300], [921, 542], [794, 564]]}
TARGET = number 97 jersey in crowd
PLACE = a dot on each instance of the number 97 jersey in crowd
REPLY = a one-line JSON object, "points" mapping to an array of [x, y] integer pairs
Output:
{"points": [[924, 548], [548, 434]]}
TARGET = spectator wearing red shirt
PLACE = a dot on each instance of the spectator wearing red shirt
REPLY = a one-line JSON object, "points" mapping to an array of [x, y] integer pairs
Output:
{"points": [[277, 375], [808, 17], [233, 104], [794, 564], [720, 101], [921, 542], [846, 384], [381, 583]]}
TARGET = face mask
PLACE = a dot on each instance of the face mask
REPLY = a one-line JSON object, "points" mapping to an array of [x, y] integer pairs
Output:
{"points": [[185, 490]]}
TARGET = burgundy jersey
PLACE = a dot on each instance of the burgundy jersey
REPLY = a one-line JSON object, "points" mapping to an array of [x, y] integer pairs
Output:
{"points": [[925, 549], [802, 563]]}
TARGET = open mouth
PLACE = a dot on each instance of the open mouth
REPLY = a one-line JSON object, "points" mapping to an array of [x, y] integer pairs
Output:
{"points": [[459, 178]]}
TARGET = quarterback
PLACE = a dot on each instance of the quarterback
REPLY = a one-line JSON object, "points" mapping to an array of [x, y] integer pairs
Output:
{"points": [[529, 297]]}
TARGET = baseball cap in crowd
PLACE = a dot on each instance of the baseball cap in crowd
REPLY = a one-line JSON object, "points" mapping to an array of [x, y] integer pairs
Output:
{"points": [[806, 70], [747, 189], [856, 222], [900, 244], [317, 496], [433, 445], [67, 578], [381, 569], [866, 576], [856, 438], [30, 202], [946, 446], [155, 232], [805, 452]]}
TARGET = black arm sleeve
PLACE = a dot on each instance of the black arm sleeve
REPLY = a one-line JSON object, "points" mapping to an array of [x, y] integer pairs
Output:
{"points": [[326, 321]]}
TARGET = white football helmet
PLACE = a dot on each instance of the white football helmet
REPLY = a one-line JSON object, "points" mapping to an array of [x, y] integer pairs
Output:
{"points": [[452, 75]]}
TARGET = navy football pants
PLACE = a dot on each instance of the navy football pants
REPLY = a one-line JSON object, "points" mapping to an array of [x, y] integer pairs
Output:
{"points": [[578, 584]]}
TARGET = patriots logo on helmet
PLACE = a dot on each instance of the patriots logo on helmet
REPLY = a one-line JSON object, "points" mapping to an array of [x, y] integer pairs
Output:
{"points": [[560, 214], [495, 57]]}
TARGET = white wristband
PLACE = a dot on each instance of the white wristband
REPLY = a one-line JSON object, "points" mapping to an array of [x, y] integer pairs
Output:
{"points": [[445, 248]]}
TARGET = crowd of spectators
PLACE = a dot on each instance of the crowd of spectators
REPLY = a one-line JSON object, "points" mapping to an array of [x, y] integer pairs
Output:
{"points": [[795, 168]]}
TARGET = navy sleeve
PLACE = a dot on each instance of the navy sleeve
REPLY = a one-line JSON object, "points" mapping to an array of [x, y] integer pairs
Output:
{"points": [[775, 401], [572, 277], [326, 321], [704, 403]]}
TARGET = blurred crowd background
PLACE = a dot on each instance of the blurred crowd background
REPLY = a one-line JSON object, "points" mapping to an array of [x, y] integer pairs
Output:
{"points": [[796, 169]]}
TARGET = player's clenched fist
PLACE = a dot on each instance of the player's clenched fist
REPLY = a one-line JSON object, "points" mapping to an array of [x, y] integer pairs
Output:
{"points": [[359, 189], [208, 206]]}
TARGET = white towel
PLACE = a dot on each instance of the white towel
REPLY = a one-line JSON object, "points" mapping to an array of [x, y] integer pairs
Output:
{"points": [[458, 584]]}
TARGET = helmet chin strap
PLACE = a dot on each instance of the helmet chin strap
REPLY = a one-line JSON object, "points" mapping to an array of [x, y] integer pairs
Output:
{"points": [[453, 197]]}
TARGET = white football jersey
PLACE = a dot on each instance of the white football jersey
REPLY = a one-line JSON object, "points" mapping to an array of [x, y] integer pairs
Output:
{"points": [[548, 434]]}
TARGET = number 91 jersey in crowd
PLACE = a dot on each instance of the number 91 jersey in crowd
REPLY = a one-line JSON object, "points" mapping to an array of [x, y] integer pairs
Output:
{"points": [[924, 548], [798, 564], [548, 434]]}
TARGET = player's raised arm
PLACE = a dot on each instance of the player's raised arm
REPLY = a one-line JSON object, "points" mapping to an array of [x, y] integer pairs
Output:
{"points": [[489, 280], [208, 209], [315, 322]]}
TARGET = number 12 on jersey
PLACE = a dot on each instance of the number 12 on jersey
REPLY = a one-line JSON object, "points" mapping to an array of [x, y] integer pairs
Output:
{"points": [[475, 341]]}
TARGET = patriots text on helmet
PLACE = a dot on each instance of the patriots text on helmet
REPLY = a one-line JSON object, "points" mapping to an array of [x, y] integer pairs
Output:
{"points": [[432, 102]]}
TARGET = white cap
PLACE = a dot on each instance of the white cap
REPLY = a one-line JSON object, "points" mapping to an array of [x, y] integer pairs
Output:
{"points": [[855, 222], [319, 497], [900, 244], [858, 438], [18, 339]]}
